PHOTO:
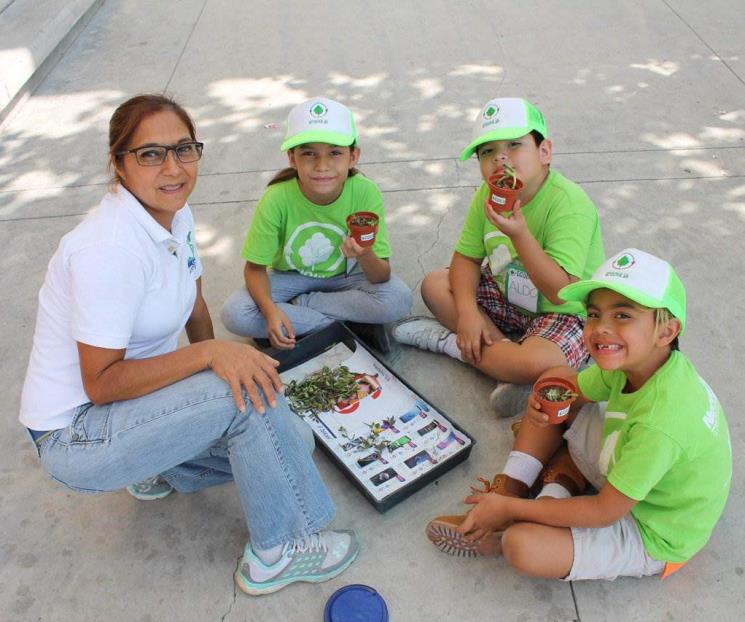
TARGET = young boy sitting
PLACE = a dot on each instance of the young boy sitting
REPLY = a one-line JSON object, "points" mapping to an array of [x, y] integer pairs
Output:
{"points": [[550, 239], [659, 455]]}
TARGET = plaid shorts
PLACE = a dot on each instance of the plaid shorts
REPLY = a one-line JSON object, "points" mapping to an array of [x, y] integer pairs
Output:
{"points": [[562, 329]]}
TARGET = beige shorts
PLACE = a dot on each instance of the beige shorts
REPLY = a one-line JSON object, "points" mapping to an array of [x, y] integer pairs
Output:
{"points": [[605, 552]]}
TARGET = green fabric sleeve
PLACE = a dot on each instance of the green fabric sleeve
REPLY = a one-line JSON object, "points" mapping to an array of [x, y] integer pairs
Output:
{"points": [[471, 243]]}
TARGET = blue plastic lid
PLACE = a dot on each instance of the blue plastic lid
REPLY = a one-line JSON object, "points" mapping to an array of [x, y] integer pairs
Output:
{"points": [[355, 603]]}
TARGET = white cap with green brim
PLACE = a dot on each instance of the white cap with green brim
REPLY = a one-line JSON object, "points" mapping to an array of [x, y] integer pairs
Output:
{"points": [[641, 277], [320, 120], [505, 118]]}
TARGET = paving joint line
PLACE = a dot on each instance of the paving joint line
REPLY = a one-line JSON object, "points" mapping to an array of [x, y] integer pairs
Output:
{"points": [[183, 49], [700, 38]]}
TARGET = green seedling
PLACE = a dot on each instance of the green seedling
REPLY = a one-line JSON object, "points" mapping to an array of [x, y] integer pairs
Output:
{"points": [[508, 179], [557, 394], [320, 391], [363, 221], [372, 440]]}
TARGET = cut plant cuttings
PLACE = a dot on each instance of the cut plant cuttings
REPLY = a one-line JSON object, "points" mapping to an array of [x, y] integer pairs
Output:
{"points": [[320, 391]]}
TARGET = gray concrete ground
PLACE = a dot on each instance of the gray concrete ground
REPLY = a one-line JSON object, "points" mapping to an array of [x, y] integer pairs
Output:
{"points": [[644, 102]]}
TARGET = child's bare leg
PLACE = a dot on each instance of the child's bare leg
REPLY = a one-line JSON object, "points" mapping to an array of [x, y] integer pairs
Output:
{"points": [[541, 443], [539, 550], [520, 363]]}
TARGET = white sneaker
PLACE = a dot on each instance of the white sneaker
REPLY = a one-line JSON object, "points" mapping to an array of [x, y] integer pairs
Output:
{"points": [[317, 558], [509, 400], [425, 333]]}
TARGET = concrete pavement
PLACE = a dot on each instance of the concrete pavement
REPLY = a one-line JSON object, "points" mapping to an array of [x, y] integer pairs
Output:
{"points": [[644, 102]]}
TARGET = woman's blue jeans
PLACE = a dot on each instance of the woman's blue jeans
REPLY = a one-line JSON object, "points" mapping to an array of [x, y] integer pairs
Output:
{"points": [[192, 433]]}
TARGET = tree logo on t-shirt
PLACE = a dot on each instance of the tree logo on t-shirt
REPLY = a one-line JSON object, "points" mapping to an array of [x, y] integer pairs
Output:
{"points": [[624, 262], [314, 249]]}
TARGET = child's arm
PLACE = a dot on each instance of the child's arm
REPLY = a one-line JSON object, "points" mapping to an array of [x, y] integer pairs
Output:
{"points": [[277, 322], [548, 276], [472, 328], [199, 325], [491, 511], [375, 269]]}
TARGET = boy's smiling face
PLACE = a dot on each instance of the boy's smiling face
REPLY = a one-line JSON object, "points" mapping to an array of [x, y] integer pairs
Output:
{"points": [[528, 159], [621, 334]]}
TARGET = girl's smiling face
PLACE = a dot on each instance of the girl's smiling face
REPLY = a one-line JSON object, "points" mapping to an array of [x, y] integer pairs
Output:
{"points": [[162, 190], [621, 334], [322, 169]]}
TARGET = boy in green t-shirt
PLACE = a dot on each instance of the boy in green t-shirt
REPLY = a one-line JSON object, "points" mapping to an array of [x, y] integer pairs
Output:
{"points": [[503, 315], [659, 453]]}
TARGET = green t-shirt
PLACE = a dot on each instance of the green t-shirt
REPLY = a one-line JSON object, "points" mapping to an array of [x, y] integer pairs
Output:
{"points": [[288, 232], [563, 220], [667, 446]]}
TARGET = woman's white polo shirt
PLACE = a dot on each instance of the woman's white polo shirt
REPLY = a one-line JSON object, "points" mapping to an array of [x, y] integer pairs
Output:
{"points": [[118, 280]]}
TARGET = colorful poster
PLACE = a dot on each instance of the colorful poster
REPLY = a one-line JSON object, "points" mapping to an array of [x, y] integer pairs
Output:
{"points": [[384, 433]]}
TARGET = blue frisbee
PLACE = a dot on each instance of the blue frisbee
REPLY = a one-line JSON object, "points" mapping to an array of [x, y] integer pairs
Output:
{"points": [[355, 603]]}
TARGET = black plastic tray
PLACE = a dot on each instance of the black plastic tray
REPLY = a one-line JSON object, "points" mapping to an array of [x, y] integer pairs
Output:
{"points": [[312, 345]]}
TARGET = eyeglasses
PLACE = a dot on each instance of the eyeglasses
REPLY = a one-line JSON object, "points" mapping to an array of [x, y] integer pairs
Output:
{"points": [[155, 155]]}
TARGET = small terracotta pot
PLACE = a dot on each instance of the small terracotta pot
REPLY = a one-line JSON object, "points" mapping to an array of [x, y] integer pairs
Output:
{"points": [[364, 235], [502, 199], [557, 411]]}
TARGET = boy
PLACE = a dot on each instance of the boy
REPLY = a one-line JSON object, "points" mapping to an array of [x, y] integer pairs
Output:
{"points": [[552, 238], [660, 456]]}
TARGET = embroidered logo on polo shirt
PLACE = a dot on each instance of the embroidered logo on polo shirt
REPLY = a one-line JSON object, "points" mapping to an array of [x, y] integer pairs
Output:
{"points": [[191, 262]]}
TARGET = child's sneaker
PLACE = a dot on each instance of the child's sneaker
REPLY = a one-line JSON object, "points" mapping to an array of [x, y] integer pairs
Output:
{"points": [[425, 333], [153, 488], [441, 532], [562, 470], [317, 558]]}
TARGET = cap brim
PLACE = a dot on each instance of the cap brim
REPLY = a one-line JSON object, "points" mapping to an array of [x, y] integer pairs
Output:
{"points": [[581, 290], [316, 136], [507, 133]]}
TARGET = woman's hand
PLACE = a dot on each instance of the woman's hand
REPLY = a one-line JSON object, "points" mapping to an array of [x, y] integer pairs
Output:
{"points": [[280, 330], [513, 225], [242, 366], [473, 329]]}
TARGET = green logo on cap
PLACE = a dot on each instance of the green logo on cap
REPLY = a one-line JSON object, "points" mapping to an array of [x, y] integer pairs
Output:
{"points": [[490, 111], [318, 110], [624, 262]]}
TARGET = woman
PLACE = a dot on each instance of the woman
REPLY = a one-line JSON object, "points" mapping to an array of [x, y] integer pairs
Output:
{"points": [[109, 398]]}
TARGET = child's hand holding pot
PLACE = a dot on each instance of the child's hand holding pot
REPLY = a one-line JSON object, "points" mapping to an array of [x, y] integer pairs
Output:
{"points": [[512, 225], [533, 413], [351, 249]]}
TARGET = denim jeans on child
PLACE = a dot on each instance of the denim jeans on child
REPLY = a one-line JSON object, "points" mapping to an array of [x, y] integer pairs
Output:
{"points": [[316, 303], [192, 433]]}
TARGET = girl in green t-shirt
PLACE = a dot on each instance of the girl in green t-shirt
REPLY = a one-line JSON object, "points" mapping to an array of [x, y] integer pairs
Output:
{"points": [[319, 272], [659, 453]]}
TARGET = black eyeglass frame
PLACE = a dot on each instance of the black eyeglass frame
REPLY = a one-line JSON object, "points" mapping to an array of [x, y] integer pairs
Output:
{"points": [[199, 146]]}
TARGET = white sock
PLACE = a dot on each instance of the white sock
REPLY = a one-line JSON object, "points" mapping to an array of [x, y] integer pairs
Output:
{"points": [[450, 347], [523, 467], [269, 556], [555, 490]]}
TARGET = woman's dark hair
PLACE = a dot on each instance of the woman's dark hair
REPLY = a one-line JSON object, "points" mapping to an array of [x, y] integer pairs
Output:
{"points": [[290, 173], [127, 118]]}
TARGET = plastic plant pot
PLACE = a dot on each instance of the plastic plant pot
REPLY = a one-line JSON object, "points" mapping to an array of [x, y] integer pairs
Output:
{"points": [[502, 194], [554, 406], [363, 226]]}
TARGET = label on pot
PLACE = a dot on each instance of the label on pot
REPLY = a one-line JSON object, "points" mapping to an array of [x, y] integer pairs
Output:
{"points": [[495, 198], [366, 237], [563, 412]]}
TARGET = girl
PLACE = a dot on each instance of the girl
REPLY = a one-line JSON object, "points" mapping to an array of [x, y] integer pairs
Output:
{"points": [[111, 400], [319, 273]]}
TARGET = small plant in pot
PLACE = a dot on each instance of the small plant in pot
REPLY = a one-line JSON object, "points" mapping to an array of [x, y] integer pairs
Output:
{"points": [[363, 226], [504, 187], [555, 396]]}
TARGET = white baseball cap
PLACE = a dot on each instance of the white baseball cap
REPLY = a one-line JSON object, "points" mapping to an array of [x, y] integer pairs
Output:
{"points": [[640, 277], [505, 118], [320, 120]]}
